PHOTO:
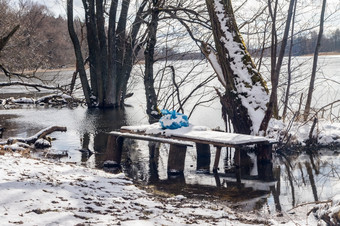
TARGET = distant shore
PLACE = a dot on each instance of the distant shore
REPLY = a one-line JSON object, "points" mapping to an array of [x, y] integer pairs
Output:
{"points": [[325, 54]]}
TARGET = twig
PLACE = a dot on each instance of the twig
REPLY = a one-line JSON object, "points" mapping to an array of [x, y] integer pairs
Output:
{"points": [[36, 86], [309, 203]]}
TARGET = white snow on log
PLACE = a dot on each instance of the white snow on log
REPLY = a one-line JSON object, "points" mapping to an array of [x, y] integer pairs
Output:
{"points": [[24, 100], [254, 97], [42, 143], [18, 146]]}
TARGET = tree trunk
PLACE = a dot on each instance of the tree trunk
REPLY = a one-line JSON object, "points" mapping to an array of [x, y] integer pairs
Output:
{"points": [[285, 107], [4, 40], [315, 63], [246, 94], [151, 98], [111, 81], [111, 52], [276, 67], [79, 57]]}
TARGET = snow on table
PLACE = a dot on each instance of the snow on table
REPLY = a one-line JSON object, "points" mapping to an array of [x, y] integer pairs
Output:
{"points": [[199, 134]]}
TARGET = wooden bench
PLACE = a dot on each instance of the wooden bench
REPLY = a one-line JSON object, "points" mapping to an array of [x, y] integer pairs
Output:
{"points": [[180, 139]]}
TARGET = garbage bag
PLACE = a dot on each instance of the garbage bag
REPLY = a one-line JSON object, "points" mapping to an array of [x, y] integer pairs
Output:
{"points": [[173, 120]]}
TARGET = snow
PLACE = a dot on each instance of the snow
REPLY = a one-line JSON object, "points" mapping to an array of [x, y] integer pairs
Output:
{"points": [[42, 143], [39, 192], [326, 132], [156, 128], [199, 133], [212, 57], [24, 100], [254, 97]]}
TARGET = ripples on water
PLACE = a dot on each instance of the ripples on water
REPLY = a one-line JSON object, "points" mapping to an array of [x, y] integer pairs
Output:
{"points": [[299, 178]]}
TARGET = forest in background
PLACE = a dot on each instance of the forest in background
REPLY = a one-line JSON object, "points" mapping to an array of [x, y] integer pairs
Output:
{"points": [[43, 42]]}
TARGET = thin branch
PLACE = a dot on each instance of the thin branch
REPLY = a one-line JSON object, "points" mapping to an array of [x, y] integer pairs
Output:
{"points": [[36, 86]]}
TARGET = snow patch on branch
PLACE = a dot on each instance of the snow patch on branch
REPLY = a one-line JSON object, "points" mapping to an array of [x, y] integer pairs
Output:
{"points": [[213, 59], [252, 93]]}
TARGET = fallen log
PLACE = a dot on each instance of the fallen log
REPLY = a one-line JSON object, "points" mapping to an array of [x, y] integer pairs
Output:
{"points": [[41, 134]]}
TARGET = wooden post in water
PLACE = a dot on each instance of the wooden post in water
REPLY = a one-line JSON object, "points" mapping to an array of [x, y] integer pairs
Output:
{"points": [[203, 158], [176, 159], [217, 158], [264, 152], [237, 157], [264, 162], [114, 148]]}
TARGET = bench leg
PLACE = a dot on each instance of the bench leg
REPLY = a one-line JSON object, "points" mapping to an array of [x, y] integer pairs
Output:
{"points": [[203, 158], [237, 157], [264, 152], [217, 158], [114, 149], [176, 159], [264, 162]]}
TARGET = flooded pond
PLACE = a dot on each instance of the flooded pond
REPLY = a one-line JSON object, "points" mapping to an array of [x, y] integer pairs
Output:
{"points": [[298, 178]]}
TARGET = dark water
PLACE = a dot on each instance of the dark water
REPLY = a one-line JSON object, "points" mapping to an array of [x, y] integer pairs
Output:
{"points": [[299, 178]]}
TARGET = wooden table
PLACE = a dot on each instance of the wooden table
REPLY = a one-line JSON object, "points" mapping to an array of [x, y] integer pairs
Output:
{"points": [[181, 138]]}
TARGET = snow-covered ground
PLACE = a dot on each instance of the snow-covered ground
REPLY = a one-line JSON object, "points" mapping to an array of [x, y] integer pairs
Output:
{"points": [[39, 192], [325, 132]]}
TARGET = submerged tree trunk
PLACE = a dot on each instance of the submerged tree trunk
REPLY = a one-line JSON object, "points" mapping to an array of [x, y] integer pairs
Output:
{"points": [[151, 97], [112, 51], [246, 94], [315, 63]]}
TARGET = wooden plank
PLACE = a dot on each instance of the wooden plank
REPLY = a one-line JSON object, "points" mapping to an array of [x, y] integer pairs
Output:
{"points": [[221, 138], [215, 138], [151, 138]]}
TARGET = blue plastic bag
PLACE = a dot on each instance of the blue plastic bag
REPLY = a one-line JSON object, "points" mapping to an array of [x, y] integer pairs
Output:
{"points": [[173, 120]]}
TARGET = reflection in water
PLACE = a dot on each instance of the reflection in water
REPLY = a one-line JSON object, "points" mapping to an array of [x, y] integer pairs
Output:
{"points": [[292, 179], [97, 123], [295, 179]]}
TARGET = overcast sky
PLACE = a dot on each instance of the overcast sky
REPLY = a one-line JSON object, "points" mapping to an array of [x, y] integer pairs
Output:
{"points": [[58, 7]]}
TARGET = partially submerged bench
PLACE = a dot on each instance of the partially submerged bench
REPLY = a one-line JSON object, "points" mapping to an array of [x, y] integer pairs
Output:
{"points": [[179, 139]]}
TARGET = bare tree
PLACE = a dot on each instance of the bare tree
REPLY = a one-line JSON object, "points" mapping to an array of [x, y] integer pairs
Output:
{"points": [[112, 52], [315, 62], [151, 97], [287, 93], [276, 61]]}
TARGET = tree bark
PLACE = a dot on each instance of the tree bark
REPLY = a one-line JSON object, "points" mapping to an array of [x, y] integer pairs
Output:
{"points": [[151, 97], [246, 93], [111, 51], [315, 63], [79, 57]]}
